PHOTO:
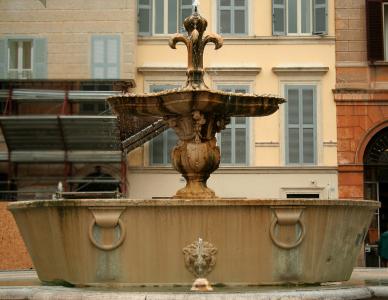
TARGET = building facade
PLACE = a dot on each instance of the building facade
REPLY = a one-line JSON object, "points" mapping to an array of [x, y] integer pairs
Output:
{"points": [[282, 47], [361, 97]]}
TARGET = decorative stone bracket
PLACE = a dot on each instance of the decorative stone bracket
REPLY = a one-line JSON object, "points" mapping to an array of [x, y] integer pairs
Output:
{"points": [[107, 218], [287, 216]]}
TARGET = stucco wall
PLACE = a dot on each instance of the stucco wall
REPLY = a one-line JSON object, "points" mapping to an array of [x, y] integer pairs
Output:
{"points": [[13, 252]]}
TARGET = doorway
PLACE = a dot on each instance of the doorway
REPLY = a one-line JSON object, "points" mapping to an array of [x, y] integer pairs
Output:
{"points": [[376, 188]]}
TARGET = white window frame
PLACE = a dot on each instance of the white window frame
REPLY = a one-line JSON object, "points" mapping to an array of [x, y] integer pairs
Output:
{"points": [[299, 19], [247, 15], [20, 69], [179, 28]]}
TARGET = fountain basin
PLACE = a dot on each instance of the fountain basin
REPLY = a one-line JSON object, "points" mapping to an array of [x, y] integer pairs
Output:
{"points": [[256, 241]]}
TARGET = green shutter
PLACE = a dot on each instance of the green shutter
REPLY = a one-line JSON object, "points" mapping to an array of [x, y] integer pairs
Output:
{"points": [[300, 131], [39, 68], [3, 59], [278, 17], [105, 57], [145, 17], [320, 16]]}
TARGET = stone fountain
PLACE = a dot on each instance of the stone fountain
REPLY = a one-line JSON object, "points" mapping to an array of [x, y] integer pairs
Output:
{"points": [[195, 234]]}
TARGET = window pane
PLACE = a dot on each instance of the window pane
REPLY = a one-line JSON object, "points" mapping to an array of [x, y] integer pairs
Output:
{"points": [[112, 55], [292, 16], [226, 145], [225, 21], [171, 142], [293, 145], [157, 149], [172, 16], [187, 2], [98, 51], [308, 106], [144, 2], [239, 2], [293, 106], [306, 16], [225, 3], [240, 145], [308, 145], [278, 20], [27, 45], [144, 20], [13, 55], [239, 21], [159, 16]]}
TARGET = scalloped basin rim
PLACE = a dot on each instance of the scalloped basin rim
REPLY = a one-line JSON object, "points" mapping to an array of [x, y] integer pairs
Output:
{"points": [[190, 202], [183, 90]]}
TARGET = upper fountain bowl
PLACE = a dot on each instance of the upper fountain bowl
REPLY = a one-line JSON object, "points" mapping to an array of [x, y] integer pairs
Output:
{"points": [[180, 102]]}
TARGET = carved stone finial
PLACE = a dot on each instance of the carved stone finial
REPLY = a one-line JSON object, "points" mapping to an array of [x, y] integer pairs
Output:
{"points": [[200, 258], [195, 42]]}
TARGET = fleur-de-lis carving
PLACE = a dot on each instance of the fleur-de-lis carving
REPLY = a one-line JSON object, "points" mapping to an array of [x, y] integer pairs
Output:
{"points": [[195, 42]]}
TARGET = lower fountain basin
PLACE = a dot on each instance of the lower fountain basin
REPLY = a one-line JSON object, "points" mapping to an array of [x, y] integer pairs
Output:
{"points": [[141, 242]]}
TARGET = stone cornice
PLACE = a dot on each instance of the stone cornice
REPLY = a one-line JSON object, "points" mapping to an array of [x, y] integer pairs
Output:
{"points": [[233, 70], [243, 170], [308, 70], [251, 40], [361, 96]]}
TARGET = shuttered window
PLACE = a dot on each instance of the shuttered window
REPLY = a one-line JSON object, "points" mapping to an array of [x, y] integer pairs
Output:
{"points": [[300, 123], [106, 57], [234, 139], [23, 58], [162, 16], [162, 145], [299, 17], [232, 16]]}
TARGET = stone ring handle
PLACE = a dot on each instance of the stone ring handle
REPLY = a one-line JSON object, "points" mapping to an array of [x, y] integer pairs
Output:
{"points": [[107, 218], [107, 247], [284, 216]]}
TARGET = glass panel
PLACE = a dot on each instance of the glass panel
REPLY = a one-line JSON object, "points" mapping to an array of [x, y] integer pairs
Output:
{"points": [[308, 145], [171, 143], [293, 106], [98, 51], [112, 51], [308, 106], [239, 21], [98, 72], [306, 16], [144, 20], [240, 145], [172, 16], [144, 2], [27, 45], [293, 145], [225, 3], [187, 2], [292, 16], [157, 149], [225, 21], [239, 2], [13, 55], [226, 146], [112, 73], [159, 16]]}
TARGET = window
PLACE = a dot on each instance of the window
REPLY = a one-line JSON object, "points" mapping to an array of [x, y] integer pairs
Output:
{"points": [[377, 29], [162, 145], [300, 124], [162, 16], [23, 58], [298, 17], [232, 16], [94, 108], [106, 57], [233, 140]]}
